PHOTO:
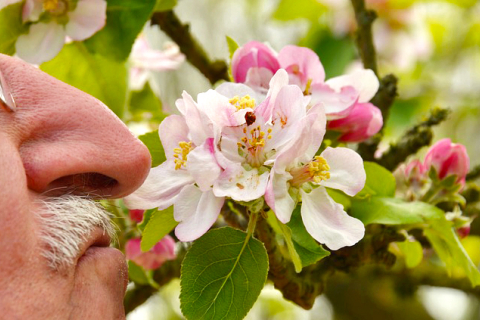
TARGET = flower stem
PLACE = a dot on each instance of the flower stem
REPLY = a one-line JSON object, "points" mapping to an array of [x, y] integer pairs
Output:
{"points": [[252, 222]]}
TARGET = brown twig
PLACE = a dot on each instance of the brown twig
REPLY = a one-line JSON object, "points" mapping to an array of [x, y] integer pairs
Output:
{"points": [[180, 33]]}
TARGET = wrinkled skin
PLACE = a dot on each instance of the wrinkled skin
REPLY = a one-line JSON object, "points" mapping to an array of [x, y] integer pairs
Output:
{"points": [[56, 134]]}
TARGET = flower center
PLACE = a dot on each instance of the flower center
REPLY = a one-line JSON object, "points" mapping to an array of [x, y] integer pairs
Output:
{"points": [[315, 171], [181, 153], [243, 102], [55, 7], [252, 144]]}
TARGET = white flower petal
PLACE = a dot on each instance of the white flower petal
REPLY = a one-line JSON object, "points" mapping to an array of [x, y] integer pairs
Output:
{"points": [[241, 185], [88, 17], [365, 81], [334, 102], [196, 211], [202, 165], [200, 127], [160, 189], [279, 80], [327, 222], [218, 108], [32, 9], [278, 198], [42, 43], [230, 90], [346, 170], [172, 130]]}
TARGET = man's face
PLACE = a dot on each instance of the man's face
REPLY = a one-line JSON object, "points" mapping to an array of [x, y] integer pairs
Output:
{"points": [[60, 146]]}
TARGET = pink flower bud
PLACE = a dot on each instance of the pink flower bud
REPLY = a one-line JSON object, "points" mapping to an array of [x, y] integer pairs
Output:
{"points": [[448, 158], [164, 250], [463, 231], [254, 60], [363, 121], [136, 215]]}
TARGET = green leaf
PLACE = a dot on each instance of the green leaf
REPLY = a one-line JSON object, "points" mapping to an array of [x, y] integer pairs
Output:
{"points": [[295, 9], [380, 181], [154, 145], [165, 5], [146, 218], [143, 101], [11, 27], [232, 46], [391, 211], [159, 225], [102, 78], [412, 252], [307, 248], [137, 274], [340, 197], [125, 20], [222, 275], [450, 250]]}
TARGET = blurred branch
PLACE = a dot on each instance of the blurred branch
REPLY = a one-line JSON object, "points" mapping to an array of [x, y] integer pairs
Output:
{"points": [[415, 138], [180, 33], [388, 84], [163, 275]]}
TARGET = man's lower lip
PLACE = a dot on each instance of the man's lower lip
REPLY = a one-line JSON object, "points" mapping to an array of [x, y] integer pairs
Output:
{"points": [[111, 257]]}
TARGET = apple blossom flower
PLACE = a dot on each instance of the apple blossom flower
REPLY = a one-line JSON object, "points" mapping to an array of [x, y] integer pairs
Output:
{"points": [[164, 250], [362, 122], [338, 95], [46, 37], [185, 180], [144, 59], [448, 158], [300, 176]]}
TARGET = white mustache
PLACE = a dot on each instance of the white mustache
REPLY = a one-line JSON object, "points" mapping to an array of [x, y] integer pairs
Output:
{"points": [[66, 222]]}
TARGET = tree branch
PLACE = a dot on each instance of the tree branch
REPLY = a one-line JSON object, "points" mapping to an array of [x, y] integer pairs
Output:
{"points": [[415, 138], [180, 33], [474, 173], [388, 85]]}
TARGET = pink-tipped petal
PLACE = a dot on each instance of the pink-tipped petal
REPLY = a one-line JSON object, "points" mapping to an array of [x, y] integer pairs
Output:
{"points": [[335, 103], [364, 81], [363, 121], [253, 55], [448, 158], [172, 130], [203, 165], [160, 189], [88, 17], [346, 170], [278, 198], [42, 43], [302, 64], [327, 222], [196, 211]]}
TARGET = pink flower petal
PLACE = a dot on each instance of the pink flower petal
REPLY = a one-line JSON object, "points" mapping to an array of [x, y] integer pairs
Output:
{"points": [[278, 198], [196, 211], [203, 165], [448, 158], [253, 55], [32, 9], [335, 102], [172, 130], [88, 17], [42, 43], [346, 170], [160, 189], [164, 250], [327, 222], [302, 64], [364, 81]]}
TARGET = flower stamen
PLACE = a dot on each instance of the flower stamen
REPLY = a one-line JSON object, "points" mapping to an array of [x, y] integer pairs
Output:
{"points": [[243, 102], [315, 171], [182, 152]]}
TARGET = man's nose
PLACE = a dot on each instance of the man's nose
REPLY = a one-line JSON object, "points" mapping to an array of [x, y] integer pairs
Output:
{"points": [[69, 141]]}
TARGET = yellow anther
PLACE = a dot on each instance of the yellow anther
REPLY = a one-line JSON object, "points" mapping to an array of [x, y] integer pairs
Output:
{"points": [[183, 151], [318, 169], [307, 87], [269, 136], [269, 130], [243, 102]]}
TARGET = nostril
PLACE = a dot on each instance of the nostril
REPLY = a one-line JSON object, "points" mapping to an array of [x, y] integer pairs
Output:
{"points": [[90, 184]]}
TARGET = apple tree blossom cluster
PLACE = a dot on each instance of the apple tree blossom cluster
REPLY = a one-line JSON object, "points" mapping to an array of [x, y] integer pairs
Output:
{"points": [[52, 22], [260, 140]]}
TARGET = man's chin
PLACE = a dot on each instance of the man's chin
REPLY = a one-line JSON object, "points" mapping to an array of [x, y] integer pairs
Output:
{"points": [[101, 279]]}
